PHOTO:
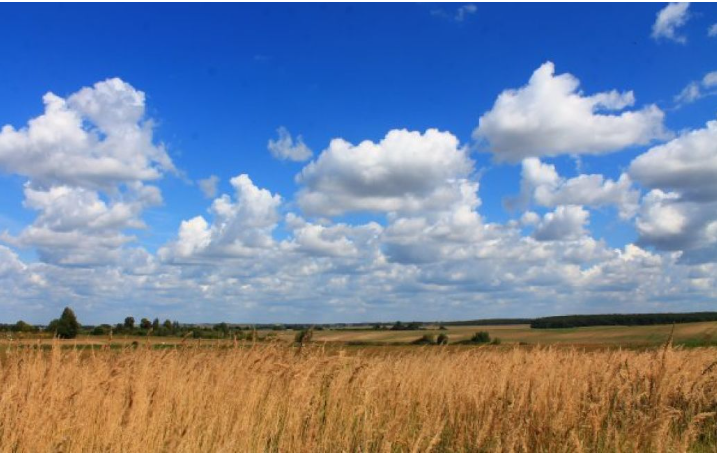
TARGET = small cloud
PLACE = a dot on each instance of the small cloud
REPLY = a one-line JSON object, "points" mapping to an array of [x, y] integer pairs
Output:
{"points": [[208, 186], [698, 89], [286, 149], [460, 14], [712, 31], [669, 20]]}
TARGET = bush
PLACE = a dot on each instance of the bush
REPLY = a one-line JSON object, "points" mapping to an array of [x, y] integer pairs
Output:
{"points": [[304, 336], [496, 341], [99, 330], [442, 339], [426, 339], [23, 327], [480, 337]]}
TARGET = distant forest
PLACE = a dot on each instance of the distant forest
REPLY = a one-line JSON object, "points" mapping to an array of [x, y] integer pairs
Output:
{"points": [[645, 319]]}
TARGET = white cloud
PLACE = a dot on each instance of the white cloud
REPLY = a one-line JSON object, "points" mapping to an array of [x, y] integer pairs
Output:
{"points": [[405, 171], [430, 254], [87, 159], [669, 20], [541, 183], [240, 227], [565, 223], [96, 138], [696, 89], [710, 79], [686, 164], [464, 11], [712, 31], [208, 186], [680, 213], [549, 116], [284, 148], [461, 13]]}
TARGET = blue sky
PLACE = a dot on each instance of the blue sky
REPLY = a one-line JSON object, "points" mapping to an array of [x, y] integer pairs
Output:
{"points": [[219, 80]]}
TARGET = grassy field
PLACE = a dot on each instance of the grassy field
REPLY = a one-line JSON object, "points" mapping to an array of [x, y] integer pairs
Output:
{"points": [[692, 334], [270, 397]]}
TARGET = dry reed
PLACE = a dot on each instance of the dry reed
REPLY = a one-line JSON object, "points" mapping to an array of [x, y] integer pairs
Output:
{"points": [[273, 398]]}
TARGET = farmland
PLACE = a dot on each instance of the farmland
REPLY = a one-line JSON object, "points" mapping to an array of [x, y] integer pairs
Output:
{"points": [[691, 334], [271, 397]]}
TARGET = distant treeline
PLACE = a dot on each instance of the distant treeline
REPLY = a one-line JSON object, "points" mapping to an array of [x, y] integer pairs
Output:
{"points": [[489, 322], [643, 319]]}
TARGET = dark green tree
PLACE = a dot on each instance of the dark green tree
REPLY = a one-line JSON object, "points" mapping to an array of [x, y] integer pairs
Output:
{"points": [[145, 324], [155, 324], [67, 326], [129, 322]]}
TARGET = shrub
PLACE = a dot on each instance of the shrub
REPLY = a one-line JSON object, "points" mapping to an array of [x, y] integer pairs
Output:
{"points": [[22, 326], [442, 339], [480, 337], [99, 330], [426, 339], [304, 336], [496, 341]]}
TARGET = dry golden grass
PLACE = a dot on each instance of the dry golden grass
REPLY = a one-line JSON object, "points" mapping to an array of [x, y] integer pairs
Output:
{"points": [[277, 398]]}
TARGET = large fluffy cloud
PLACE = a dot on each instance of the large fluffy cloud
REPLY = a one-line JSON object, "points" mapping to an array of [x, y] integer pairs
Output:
{"points": [[87, 160], [550, 116], [680, 213], [687, 164], [565, 223], [405, 171], [541, 183], [95, 138], [427, 251], [241, 225]]}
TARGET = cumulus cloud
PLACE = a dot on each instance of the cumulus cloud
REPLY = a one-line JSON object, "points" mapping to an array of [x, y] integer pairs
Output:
{"points": [[550, 116], [429, 251], [96, 138], [565, 223], [686, 164], [541, 184], [669, 20], [208, 186], [88, 160], [405, 171], [680, 213], [241, 225], [285, 148]]}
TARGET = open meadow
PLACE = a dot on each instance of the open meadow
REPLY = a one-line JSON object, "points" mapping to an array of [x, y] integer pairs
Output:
{"points": [[274, 397]]}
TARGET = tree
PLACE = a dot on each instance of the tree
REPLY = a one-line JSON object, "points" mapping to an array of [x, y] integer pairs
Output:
{"points": [[129, 322], [223, 328], [168, 324], [145, 324], [67, 326], [155, 324]]}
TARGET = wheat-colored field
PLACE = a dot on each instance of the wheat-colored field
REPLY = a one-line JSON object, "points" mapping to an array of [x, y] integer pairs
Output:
{"points": [[278, 398]]}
